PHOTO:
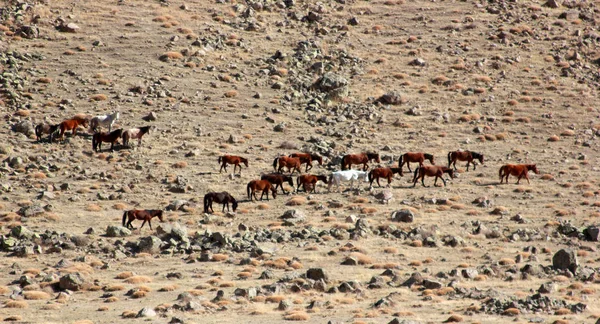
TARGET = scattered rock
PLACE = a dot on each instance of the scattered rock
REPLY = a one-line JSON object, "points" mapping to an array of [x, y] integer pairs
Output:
{"points": [[403, 216], [317, 274], [117, 231], [565, 259], [71, 281], [150, 117], [292, 217], [390, 98], [146, 312], [150, 244], [417, 62], [24, 127]]}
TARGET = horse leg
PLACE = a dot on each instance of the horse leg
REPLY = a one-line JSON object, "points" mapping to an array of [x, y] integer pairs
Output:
{"points": [[365, 167], [143, 224], [307, 166], [378, 182], [423, 180], [150, 223], [222, 166], [443, 180], [408, 166], [389, 181]]}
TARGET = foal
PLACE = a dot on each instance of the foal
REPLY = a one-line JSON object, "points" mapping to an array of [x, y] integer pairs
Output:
{"points": [[308, 158], [310, 181], [278, 180], [362, 158], [464, 156], [45, 128], [387, 173], [436, 171], [517, 170], [232, 159], [111, 138], [142, 214], [260, 185], [414, 157], [220, 197]]}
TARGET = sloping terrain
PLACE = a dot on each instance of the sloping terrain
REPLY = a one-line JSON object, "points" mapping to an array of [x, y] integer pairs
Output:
{"points": [[514, 80]]}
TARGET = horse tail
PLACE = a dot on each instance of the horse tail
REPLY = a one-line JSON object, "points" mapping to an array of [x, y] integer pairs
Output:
{"points": [[219, 160], [95, 141], [124, 218], [38, 131], [298, 181], [449, 158], [343, 162], [248, 191], [370, 175], [416, 172], [206, 203], [500, 172], [275, 163], [400, 161]]}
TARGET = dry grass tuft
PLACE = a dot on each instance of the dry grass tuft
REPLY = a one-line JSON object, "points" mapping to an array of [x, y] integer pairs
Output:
{"points": [[454, 318], [511, 312], [99, 97], [553, 138], [180, 165], [231, 94], [262, 206], [390, 250], [219, 257], [36, 295], [93, 208], [362, 258], [120, 206], [171, 56], [125, 275], [129, 314], [506, 261], [274, 299], [297, 316], [138, 279], [296, 201], [16, 304], [114, 287]]}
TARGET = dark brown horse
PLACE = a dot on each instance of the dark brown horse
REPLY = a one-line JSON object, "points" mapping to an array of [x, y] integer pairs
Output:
{"points": [[72, 124], [362, 158], [219, 197], [293, 164], [309, 181], [260, 185], [232, 159], [278, 179], [308, 159], [464, 156], [417, 157], [387, 173], [517, 170], [436, 171], [135, 133], [142, 214], [45, 128], [111, 138]]}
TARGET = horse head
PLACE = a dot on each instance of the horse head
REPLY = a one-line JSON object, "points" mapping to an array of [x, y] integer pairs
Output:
{"points": [[318, 158], [234, 204], [429, 157], [450, 171], [245, 161], [362, 175], [159, 214], [533, 167], [374, 156], [274, 191], [479, 157], [289, 180], [322, 178]]}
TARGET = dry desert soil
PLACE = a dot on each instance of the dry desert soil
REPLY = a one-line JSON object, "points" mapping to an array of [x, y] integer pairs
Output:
{"points": [[517, 81]]}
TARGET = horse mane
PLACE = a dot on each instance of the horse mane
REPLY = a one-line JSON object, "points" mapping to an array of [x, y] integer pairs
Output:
{"points": [[428, 156], [145, 129]]}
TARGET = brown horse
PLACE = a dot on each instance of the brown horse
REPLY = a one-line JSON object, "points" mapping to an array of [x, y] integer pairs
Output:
{"points": [[72, 124], [387, 173], [517, 170], [307, 158], [134, 133], [289, 162], [417, 157], [362, 158], [309, 181], [464, 156], [278, 180], [45, 128], [232, 159], [436, 171], [220, 197], [111, 138], [260, 185], [142, 214]]}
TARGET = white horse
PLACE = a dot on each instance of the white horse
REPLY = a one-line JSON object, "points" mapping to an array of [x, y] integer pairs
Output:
{"points": [[337, 177], [104, 120]]}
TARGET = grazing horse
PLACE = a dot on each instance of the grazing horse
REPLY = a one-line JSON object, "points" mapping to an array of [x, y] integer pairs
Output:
{"points": [[388, 173], [260, 185], [135, 133], [289, 162], [436, 171], [362, 158], [111, 138], [307, 158], [517, 170], [104, 120], [346, 175], [219, 197], [232, 159], [45, 128], [414, 157], [310, 181], [278, 180], [142, 214], [72, 124], [464, 156]]}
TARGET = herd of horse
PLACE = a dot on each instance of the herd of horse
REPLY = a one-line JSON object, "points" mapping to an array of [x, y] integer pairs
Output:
{"points": [[269, 183], [58, 130]]}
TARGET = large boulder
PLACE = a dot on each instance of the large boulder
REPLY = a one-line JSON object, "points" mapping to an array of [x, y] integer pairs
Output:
{"points": [[150, 244], [293, 217], [21, 232], [332, 84], [403, 216], [23, 127], [565, 259], [72, 281], [317, 274], [117, 231]]}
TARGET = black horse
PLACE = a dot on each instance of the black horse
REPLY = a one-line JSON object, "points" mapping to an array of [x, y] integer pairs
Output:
{"points": [[220, 197]]}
